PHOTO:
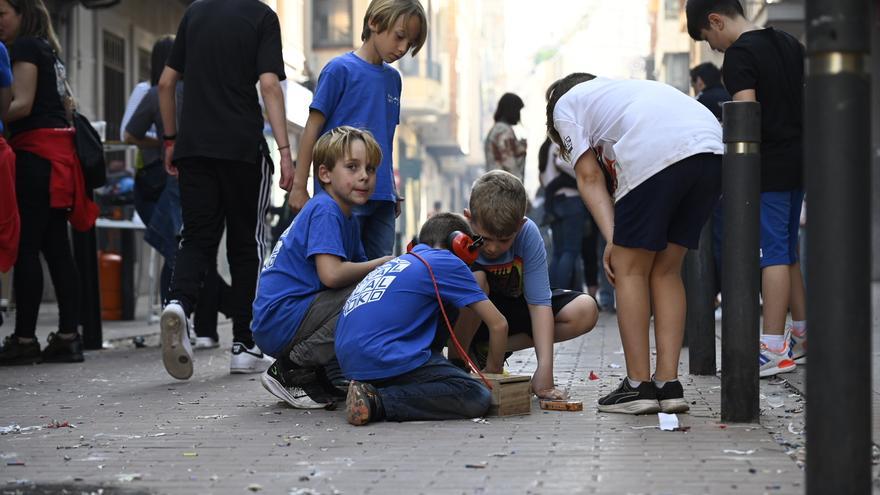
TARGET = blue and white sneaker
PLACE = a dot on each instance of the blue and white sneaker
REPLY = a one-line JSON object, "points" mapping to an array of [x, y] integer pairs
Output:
{"points": [[248, 360], [773, 362]]}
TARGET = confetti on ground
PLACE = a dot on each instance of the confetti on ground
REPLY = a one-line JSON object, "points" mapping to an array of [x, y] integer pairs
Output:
{"points": [[593, 376]]}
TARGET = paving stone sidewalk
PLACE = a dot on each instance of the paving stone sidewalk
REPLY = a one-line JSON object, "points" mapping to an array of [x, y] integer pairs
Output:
{"points": [[133, 430]]}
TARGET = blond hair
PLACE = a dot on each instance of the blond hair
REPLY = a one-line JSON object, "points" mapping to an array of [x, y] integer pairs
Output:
{"points": [[385, 13], [336, 144], [498, 203]]}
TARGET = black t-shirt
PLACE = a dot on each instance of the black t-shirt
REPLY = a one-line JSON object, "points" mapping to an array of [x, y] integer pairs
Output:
{"points": [[222, 47], [48, 110], [772, 63]]}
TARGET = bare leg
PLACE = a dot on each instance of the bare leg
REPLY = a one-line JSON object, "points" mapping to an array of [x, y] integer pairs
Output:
{"points": [[576, 318], [667, 293], [776, 289], [632, 268], [798, 296]]}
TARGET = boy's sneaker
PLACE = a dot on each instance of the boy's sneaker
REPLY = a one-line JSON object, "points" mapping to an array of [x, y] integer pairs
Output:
{"points": [[205, 343], [177, 354], [62, 350], [361, 403], [774, 362], [14, 352], [798, 348], [671, 398], [628, 400], [248, 360], [279, 383]]}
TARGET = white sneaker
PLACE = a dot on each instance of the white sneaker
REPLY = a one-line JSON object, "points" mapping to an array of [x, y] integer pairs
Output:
{"points": [[177, 355], [246, 360], [205, 343], [772, 362], [798, 348]]}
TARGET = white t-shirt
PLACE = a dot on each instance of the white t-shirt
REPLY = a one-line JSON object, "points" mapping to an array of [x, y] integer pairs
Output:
{"points": [[637, 128], [556, 166]]}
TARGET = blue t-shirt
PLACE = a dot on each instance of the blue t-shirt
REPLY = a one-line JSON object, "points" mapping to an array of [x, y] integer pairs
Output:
{"points": [[5, 71], [388, 323], [521, 271], [289, 281], [354, 92]]}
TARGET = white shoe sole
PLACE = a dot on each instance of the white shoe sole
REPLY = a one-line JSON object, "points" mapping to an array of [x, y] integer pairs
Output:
{"points": [[176, 352], [643, 406], [205, 343], [294, 400], [776, 370], [249, 365], [801, 360], [674, 406]]}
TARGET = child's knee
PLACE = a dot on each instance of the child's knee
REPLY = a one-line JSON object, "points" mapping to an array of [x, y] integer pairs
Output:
{"points": [[479, 400]]}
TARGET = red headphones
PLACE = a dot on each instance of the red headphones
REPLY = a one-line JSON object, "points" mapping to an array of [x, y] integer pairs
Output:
{"points": [[460, 244]]}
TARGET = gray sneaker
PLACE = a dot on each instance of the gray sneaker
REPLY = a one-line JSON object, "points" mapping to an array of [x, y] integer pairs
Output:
{"points": [[177, 354]]}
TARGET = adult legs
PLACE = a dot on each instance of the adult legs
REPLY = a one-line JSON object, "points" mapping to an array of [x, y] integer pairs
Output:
{"points": [[377, 222], [632, 271], [668, 296], [62, 269], [568, 231]]}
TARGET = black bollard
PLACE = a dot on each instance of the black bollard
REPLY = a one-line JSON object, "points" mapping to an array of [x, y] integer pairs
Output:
{"points": [[741, 271], [700, 320], [838, 171], [85, 252]]}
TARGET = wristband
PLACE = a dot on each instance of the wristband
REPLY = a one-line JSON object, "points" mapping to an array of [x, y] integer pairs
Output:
{"points": [[171, 137], [286, 146]]}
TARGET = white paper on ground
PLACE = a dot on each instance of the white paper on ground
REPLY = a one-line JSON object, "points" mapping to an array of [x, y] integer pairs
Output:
{"points": [[668, 422]]}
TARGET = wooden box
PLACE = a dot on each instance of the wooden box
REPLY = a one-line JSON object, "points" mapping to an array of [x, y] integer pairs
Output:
{"points": [[511, 395]]}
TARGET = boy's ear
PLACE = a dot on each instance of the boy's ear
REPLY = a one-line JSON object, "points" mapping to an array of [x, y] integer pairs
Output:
{"points": [[323, 174], [467, 214], [716, 21]]}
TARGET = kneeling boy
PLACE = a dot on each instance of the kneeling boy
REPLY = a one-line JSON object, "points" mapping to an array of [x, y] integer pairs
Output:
{"points": [[313, 269], [385, 332], [512, 269]]}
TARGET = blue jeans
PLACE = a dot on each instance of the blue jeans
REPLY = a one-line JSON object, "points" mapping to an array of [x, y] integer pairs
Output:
{"points": [[377, 227], [606, 294], [436, 390], [568, 232]]}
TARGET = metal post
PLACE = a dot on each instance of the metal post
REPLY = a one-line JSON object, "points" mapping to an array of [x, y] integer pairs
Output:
{"points": [[700, 320], [740, 275], [85, 252], [838, 172]]}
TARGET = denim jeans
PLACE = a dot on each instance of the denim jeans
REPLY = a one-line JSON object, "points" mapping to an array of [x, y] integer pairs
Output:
{"points": [[568, 231], [377, 227], [436, 390]]}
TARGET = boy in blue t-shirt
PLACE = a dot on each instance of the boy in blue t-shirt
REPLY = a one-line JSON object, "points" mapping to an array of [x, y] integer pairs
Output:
{"points": [[313, 268], [512, 269], [385, 333], [360, 89]]}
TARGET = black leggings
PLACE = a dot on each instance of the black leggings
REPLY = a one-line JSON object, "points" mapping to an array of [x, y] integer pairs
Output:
{"points": [[43, 229]]}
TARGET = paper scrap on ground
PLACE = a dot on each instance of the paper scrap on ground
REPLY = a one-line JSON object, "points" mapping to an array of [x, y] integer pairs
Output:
{"points": [[668, 422], [739, 452]]}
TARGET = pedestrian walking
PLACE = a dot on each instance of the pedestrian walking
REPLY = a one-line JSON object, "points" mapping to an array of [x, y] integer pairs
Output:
{"points": [[223, 48], [503, 149]]}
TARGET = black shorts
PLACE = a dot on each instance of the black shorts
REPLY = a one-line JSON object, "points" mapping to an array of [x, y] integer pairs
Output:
{"points": [[671, 206], [516, 310]]}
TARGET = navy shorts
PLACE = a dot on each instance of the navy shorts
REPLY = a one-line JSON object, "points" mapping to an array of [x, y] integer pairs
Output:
{"points": [[671, 206], [780, 221], [516, 311]]}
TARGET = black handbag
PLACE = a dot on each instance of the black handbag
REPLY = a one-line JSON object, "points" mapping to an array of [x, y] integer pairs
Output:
{"points": [[90, 151]]}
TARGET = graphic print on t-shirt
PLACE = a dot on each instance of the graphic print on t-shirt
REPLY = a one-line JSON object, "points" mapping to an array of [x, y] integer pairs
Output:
{"points": [[372, 288], [505, 279]]}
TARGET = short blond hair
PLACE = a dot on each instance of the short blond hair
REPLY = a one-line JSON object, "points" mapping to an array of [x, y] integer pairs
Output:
{"points": [[336, 144], [385, 13], [498, 203]]}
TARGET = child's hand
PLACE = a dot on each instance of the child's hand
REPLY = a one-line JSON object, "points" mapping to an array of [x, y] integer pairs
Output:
{"points": [[606, 261]]}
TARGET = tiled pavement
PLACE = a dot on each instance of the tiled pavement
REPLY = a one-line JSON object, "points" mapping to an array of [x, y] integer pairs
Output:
{"points": [[139, 431]]}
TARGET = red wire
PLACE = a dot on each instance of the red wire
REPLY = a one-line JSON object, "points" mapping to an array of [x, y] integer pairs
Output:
{"points": [[458, 347]]}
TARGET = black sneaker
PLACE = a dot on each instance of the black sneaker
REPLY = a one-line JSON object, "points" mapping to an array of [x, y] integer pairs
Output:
{"points": [[61, 350], [281, 384], [362, 404], [671, 397], [629, 400], [14, 352]]}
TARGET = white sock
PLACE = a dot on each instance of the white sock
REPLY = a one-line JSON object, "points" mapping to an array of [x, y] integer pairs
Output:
{"points": [[659, 383], [799, 327], [633, 383], [774, 342]]}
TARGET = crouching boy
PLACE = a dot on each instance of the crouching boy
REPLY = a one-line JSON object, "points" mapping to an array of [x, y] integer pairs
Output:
{"points": [[385, 332], [313, 269]]}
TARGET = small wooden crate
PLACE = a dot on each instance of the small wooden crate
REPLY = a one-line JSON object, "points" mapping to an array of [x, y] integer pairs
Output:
{"points": [[511, 395]]}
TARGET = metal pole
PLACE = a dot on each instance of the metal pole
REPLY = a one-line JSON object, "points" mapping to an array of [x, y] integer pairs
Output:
{"points": [[838, 172], [740, 275], [700, 320]]}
